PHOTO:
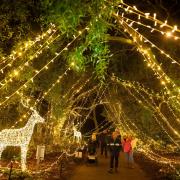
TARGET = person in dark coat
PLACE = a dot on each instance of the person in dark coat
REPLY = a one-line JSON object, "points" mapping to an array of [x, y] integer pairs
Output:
{"points": [[92, 145], [103, 142], [115, 147]]}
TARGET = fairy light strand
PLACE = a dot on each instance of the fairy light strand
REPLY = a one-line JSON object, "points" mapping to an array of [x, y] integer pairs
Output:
{"points": [[45, 67], [20, 68]]}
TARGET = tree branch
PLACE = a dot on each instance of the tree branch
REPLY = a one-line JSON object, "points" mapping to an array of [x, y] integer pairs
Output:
{"points": [[120, 39]]}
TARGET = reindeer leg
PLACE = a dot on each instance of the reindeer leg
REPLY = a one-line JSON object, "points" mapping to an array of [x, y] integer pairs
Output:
{"points": [[23, 157], [1, 150]]}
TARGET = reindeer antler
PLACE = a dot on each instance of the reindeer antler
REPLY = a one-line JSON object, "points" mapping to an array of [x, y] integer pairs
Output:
{"points": [[25, 102]]}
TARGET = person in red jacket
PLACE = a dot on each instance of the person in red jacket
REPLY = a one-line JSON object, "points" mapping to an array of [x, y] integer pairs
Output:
{"points": [[127, 147]]}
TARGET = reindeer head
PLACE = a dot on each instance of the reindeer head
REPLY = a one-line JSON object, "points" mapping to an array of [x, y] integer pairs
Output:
{"points": [[35, 115], [74, 128]]}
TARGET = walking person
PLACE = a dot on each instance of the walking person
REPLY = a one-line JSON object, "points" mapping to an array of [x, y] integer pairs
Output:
{"points": [[92, 149], [128, 146], [133, 145], [92, 144], [114, 147], [103, 142]]}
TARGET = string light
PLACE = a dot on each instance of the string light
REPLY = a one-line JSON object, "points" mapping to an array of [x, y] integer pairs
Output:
{"points": [[15, 141], [148, 58], [29, 44], [170, 33], [148, 41], [26, 64], [142, 14], [147, 141], [156, 109], [156, 68], [39, 71], [58, 80], [73, 64]]}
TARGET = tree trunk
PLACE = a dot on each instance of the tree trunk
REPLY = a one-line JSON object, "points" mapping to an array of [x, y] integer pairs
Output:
{"points": [[95, 120]]}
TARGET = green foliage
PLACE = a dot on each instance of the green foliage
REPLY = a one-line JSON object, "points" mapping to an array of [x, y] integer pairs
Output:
{"points": [[8, 116], [72, 16], [20, 19], [100, 56], [66, 14], [99, 50], [77, 60]]}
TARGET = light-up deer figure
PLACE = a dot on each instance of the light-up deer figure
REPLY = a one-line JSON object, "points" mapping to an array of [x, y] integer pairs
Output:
{"points": [[20, 137], [77, 134]]}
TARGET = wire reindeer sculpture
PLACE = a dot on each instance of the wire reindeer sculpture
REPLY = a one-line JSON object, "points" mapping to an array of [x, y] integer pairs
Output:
{"points": [[77, 134], [20, 137]]}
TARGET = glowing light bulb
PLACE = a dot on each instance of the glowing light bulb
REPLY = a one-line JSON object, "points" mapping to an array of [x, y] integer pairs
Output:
{"points": [[135, 7], [16, 73], [72, 64], [147, 15], [174, 28], [168, 34], [154, 15]]}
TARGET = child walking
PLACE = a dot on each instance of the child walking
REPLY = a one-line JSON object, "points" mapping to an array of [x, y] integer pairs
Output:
{"points": [[128, 144]]}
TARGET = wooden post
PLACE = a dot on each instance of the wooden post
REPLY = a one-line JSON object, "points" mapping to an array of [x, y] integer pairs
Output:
{"points": [[11, 166], [39, 155]]}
